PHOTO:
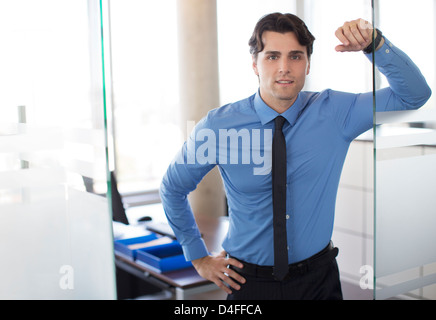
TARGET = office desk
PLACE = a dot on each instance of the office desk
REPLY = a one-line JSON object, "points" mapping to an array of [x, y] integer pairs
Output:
{"points": [[183, 282]]}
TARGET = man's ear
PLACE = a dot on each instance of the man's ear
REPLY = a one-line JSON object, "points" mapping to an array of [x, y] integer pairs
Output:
{"points": [[308, 68], [256, 71]]}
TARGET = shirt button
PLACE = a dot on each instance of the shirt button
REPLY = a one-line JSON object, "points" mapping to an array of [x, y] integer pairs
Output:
{"points": [[287, 216], [387, 50]]}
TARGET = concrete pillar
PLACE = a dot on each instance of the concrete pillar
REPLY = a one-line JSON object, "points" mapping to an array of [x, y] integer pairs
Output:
{"points": [[199, 87]]}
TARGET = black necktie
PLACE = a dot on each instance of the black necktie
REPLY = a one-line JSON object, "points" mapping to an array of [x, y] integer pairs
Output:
{"points": [[279, 200]]}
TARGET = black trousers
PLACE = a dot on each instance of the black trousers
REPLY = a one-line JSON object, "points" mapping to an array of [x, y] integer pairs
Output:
{"points": [[320, 283]]}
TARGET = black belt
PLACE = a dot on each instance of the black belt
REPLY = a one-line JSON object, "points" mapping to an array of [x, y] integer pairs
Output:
{"points": [[321, 258]]}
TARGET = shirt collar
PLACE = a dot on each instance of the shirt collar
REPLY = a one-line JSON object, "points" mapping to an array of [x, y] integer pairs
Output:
{"points": [[267, 114]]}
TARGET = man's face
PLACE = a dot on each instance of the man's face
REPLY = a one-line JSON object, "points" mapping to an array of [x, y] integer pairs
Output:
{"points": [[282, 67]]}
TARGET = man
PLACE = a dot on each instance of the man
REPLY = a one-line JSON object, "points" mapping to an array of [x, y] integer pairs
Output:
{"points": [[317, 129]]}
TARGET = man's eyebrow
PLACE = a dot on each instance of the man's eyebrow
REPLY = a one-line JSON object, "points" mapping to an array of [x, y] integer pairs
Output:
{"points": [[273, 52], [296, 52], [278, 52]]}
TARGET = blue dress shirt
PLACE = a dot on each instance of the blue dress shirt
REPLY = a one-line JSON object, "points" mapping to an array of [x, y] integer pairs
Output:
{"points": [[319, 129]]}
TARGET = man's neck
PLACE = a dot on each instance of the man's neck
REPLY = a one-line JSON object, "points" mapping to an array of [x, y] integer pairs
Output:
{"points": [[280, 106]]}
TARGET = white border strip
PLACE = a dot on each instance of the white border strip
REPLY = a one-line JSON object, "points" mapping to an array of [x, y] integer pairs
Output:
{"points": [[422, 115], [395, 141]]}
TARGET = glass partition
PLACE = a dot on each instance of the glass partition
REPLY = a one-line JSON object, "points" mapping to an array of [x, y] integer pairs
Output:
{"points": [[405, 160], [55, 231]]}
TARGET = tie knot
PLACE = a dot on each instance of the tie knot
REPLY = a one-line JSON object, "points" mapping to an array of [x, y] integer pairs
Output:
{"points": [[279, 122]]}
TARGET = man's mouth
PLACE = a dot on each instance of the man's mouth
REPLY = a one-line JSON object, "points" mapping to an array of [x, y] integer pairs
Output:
{"points": [[285, 81]]}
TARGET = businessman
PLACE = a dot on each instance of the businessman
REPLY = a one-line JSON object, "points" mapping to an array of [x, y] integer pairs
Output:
{"points": [[280, 153]]}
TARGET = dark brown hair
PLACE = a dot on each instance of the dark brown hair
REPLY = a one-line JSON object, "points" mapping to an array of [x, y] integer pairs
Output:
{"points": [[279, 22]]}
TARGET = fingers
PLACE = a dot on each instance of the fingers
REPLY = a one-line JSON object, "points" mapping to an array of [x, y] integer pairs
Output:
{"points": [[354, 35], [227, 279], [216, 270], [226, 282], [234, 275], [229, 276], [221, 284], [234, 262]]}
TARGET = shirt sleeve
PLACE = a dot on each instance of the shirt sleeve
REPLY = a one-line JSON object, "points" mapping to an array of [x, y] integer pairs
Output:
{"points": [[408, 90], [182, 176]]}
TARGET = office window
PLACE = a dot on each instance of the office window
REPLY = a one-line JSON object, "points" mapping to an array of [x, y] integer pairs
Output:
{"points": [[145, 90], [236, 21], [349, 72], [421, 50]]}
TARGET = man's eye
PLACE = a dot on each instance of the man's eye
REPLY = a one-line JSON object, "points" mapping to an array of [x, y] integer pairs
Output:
{"points": [[296, 57], [272, 58]]}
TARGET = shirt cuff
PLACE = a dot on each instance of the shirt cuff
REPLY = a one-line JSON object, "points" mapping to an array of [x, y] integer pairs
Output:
{"points": [[382, 55], [195, 250]]}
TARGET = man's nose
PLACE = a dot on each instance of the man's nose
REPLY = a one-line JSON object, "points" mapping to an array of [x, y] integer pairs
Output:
{"points": [[284, 66]]}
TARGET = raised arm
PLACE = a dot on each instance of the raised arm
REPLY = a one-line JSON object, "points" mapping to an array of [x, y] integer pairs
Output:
{"points": [[408, 88]]}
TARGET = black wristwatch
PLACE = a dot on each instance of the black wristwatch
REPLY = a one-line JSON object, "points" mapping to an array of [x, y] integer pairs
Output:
{"points": [[375, 43]]}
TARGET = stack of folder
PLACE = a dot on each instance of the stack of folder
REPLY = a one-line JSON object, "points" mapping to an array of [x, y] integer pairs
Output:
{"points": [[157, 252]]}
